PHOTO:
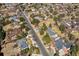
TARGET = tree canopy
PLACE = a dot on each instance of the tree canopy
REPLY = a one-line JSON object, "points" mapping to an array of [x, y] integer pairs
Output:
{"points": [[35, 21], [44, 27], [22, 19], [2, 34], [62, 28]]}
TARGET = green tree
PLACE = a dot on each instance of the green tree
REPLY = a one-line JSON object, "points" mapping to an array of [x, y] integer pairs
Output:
{"points": [[24, 51], [0, 5], [23, 7], [23, 26], [36, 50], [24, 34], [55, 12], [62, 28], [27, 29], [2, 34], [19, 37], [35, 21], [71, 37], [73, 50], [2, 20], [44, 27], [22, 19], [41, 32], [55, 19], [50, 25]]}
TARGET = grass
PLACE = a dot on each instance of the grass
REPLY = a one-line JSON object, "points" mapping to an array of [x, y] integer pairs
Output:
{"points": [[46, 39], [55, 28], [78, 53], [76, 34]]}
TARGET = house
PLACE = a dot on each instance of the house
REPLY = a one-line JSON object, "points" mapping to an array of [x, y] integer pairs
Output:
{"points": [[30, 38], [73, 25], [22, 43], [59, 44]]}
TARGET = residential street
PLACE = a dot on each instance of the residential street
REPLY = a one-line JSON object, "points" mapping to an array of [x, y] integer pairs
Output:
{"points": [[38, 41]]}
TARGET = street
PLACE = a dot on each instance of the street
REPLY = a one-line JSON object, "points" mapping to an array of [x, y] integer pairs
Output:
{"points": [[37, 39]]}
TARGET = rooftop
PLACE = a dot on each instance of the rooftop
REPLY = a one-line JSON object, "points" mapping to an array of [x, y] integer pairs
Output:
{"points": [[22, 43]]}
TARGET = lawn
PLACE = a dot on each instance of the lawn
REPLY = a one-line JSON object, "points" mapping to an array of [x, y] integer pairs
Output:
{"points": [[76, 34], [56, 29], [46, 39]]}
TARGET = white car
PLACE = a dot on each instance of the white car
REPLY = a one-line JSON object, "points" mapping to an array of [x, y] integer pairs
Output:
{"points": [[57, 38]]}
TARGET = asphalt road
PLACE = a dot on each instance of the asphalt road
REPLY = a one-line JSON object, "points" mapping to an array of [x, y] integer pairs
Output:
{"points": [[37, 39]]}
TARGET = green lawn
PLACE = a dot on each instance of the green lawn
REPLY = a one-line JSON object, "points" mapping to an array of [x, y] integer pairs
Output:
{"points": [[46, 39]]}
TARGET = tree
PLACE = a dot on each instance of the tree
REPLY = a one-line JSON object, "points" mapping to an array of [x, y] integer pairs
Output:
{"points": [[41, 32], [2, 34], [23, 7], [75, 7], [22, 19], [23, 26], [30, 50], [71, 37], [19, 37], [24, 51], [24, 34], [0, 5], [50, 25], [1, 54], [62, 28], [73, 50], [35, 21], [27, 29], [2, 20], [44, 27], [55, 19], [2, 37], [55, 12], [57, 53], [36, 50]]}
